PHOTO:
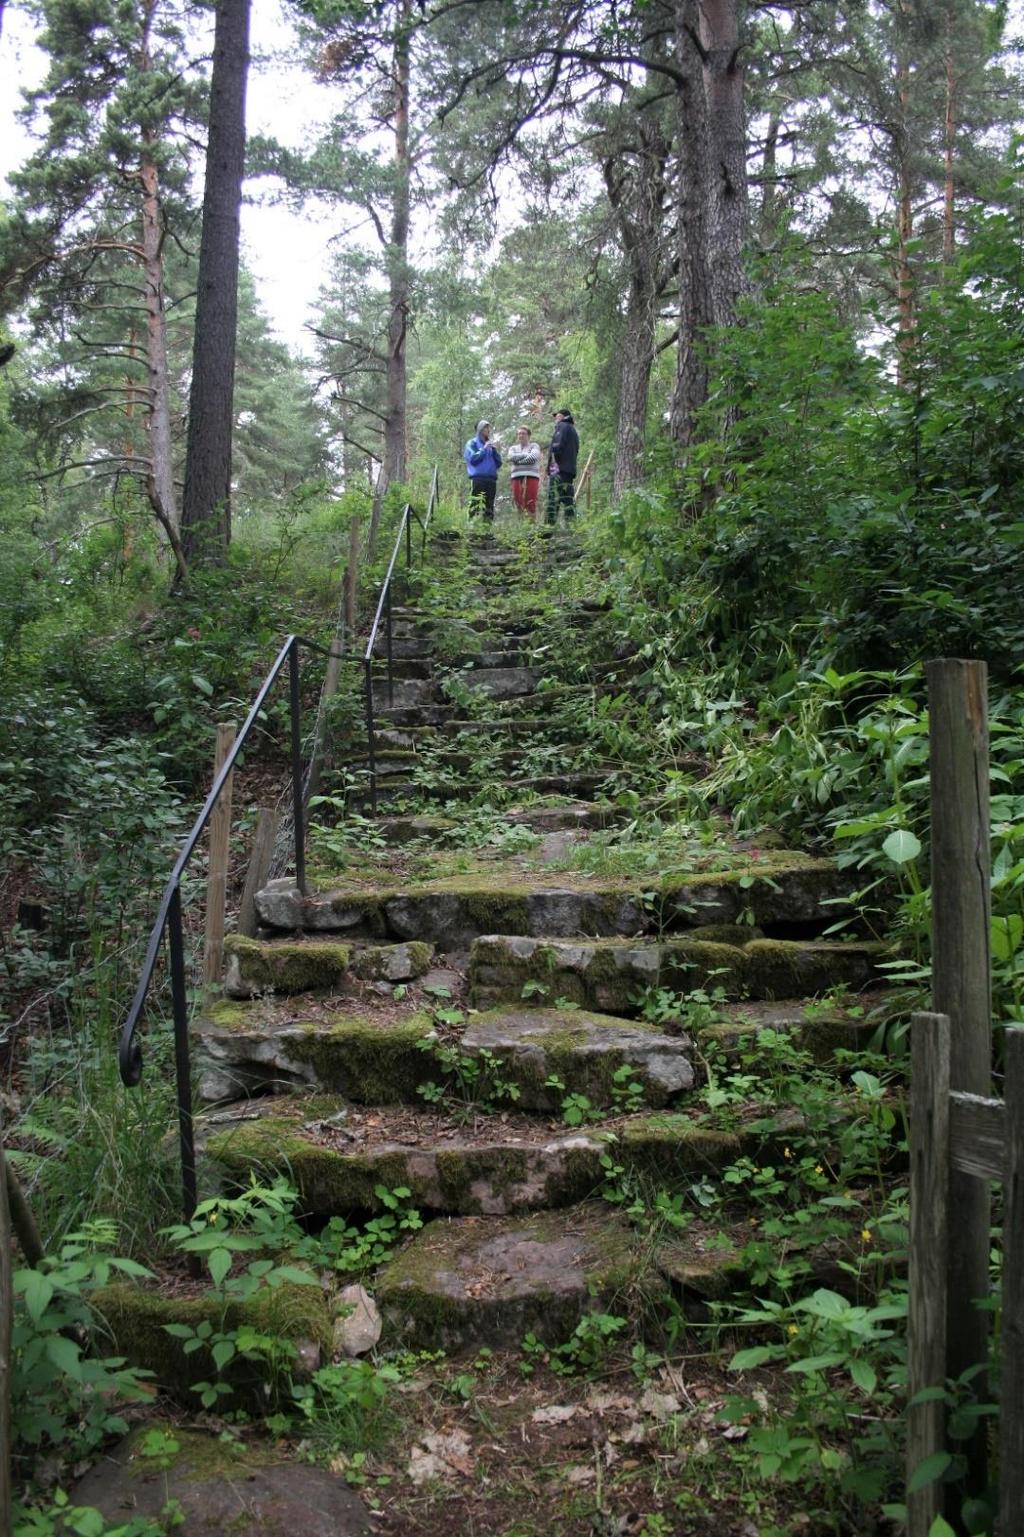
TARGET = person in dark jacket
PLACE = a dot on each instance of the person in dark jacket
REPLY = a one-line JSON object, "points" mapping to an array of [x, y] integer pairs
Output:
{"points": [[483, 462], [562, 457]]}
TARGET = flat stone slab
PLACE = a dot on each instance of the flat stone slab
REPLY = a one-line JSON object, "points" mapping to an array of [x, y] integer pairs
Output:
{"points": [[338, 1155], [219, 1489], [502, 682], [241, 1051], [610, 974], [490, 1281]]}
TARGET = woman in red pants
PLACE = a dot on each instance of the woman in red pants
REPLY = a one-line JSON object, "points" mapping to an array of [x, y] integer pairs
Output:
{"points": [[524, 465]]}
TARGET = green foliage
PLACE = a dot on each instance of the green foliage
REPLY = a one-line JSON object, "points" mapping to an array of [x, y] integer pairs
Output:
{"points": [[63, 1396]]}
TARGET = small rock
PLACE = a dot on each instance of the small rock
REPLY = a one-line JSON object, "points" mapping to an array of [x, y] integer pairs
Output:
{"points": [[358, 1328], [307, 1358]]}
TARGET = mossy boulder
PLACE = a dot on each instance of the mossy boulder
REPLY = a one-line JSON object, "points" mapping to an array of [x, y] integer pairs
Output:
{"points": [[253, 966], [488, 1281], [220, 1485], [136, 1320], [392, 963], [281, 905]]}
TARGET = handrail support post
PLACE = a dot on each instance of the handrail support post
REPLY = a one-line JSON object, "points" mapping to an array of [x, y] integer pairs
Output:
{"points": [[183, 1066], [296, 734]]}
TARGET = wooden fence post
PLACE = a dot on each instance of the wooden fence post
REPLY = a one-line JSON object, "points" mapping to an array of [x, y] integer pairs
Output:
{"points": [[260, 861], [352, 578], [6, 1330], [217, 871], [961, 981], [926, 1313], [1011, 1354]]}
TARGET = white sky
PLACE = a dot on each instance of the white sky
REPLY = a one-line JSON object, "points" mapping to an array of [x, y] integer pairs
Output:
{"points": [[286, 252]]}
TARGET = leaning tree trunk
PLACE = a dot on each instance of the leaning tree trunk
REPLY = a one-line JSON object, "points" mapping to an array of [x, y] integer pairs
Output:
{"points": [[206, 509]]}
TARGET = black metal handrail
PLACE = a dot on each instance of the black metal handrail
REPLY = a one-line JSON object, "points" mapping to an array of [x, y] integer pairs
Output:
{"points": [[169, 912], [409, 516]]}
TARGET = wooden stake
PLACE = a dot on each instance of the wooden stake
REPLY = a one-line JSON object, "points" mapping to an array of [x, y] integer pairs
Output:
{"points": [[926, 1320], [217, 875], [961, 984], [264, 839]]}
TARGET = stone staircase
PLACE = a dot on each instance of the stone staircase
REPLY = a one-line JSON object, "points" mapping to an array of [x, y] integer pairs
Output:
{"points": [[489, 1021]]}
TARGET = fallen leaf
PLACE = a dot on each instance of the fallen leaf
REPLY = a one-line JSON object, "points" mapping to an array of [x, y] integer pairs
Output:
{"points": [[440, 1456], [579, 1475], [661, 1405], [554, 1414]]}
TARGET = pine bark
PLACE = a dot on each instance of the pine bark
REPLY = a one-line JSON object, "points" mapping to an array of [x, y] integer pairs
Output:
{"points": [[696, 307], [395, 426], [206, 508]]}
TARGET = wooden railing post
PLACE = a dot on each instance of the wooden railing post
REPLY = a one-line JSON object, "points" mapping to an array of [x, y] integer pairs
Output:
{"points": [[217, 874], [926, 1313], [6, 1330], [961, 980], [1011, 1354]]}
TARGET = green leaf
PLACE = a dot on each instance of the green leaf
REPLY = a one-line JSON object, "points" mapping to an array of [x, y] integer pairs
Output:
{"points": [[65, 1356], [864, 1376], [37, 1290], [202, 684], [940, 1527], [902, 846], [816, 1363], [927, 1471], [219, 1264], [757, 1355], [223, 1352]]}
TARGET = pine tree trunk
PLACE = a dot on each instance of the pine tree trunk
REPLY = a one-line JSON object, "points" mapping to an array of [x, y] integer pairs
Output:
{"points": [[949, 145], [161, 479], [696, 308], [728, 221], [637, 355], [398, 259], [206, 509]]}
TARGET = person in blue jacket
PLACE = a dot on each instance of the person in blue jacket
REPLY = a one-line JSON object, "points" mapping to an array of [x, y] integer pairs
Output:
{"points": [[483, 462]]}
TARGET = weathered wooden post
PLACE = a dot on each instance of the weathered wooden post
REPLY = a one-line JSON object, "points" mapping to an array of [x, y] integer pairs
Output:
{"points": [[926, 1313], [961, 978], [352, 577], [1011, 1354], [6, 1330], [217, 873], [260, 862]]}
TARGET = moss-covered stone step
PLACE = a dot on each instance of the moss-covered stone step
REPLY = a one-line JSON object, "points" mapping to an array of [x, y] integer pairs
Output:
{"points": [[491, 1280], [610, 974], [572, 817], [338, 1155], [256, 966], [370, 1058], [136, 1319], [575, 786], [784, 889]]}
